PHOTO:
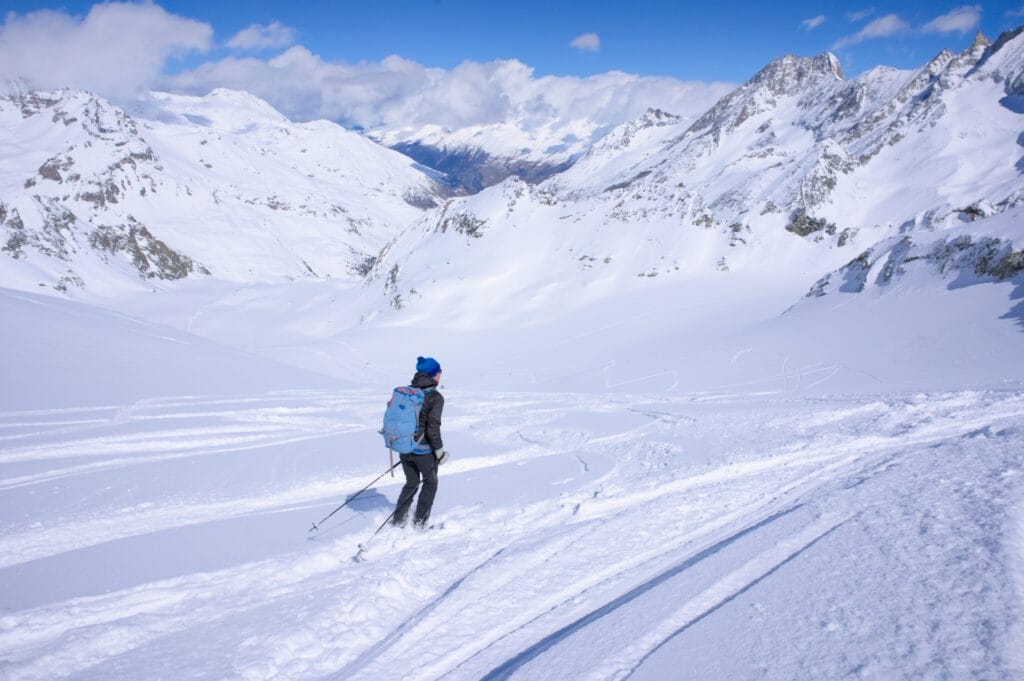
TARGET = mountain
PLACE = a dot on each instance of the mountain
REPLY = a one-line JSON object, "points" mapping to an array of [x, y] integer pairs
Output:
{"points": [[539, 128], [795, 174], [221, 186], [479, 156], [685, 236]]}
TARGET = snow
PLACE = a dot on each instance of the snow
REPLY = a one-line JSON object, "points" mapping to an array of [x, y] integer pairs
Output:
{"points": [[581, 536], [667, 459], [826, 493]]}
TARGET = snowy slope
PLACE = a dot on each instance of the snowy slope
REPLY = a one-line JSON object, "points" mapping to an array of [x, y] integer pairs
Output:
{"points": [[62, 354], [221, 185], [580, 537]]}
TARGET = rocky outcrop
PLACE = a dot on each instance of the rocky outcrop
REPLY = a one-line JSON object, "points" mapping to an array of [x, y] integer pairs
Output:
{"points": [[151, 257], [961, 261]]}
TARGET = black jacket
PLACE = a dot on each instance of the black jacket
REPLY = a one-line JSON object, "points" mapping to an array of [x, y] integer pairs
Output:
{"points": [[430, 413]]}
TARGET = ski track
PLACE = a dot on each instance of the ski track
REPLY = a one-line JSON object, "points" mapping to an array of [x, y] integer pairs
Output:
{"points": [[523, 584]]}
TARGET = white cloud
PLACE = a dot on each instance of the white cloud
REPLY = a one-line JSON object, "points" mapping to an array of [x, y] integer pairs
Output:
{"points": [[396, 92], [587, 42], [260, 37], [860, 15], [117, 49], [881, 27], [814, 22], [120, 50], [960, 20]]}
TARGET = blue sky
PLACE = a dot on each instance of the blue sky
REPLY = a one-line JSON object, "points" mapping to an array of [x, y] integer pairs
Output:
{"points": [[454, 63], [709, 41]]}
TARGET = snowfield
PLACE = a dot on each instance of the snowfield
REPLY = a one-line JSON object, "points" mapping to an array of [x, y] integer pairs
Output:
{"points": [[733, 398], [601, 536]]}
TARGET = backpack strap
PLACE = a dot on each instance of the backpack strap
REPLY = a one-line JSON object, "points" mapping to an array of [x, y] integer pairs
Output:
{"points": [[424, 436]]}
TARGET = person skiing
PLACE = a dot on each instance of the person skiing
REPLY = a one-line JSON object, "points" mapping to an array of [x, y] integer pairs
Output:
{"points": [[423, 464]]}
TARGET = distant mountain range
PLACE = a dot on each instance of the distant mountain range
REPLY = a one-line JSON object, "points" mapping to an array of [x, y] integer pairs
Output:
{"points": [[799, 172]]}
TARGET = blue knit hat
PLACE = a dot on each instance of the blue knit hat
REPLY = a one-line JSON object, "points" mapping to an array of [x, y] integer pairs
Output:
{"points": [[428, 365]]}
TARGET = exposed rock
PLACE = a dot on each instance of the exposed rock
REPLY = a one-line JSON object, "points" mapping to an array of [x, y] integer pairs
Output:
{"points": [[962, 259], [33, 103], [150, 256], [17, 237], [106, 192], [975, 211], [627, 183], [51, 169], [462, 223], [69, 279], [802, 224], [419, 200], [845, 236], [364, 266]]}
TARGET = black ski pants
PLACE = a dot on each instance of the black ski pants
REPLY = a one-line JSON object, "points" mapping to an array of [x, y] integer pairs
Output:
{"points": [[416, 466]]}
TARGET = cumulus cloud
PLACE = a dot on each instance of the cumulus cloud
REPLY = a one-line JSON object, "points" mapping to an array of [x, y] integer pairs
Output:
{"points": [[120, 50], [399, 93], [860, 15], [881, 27], [261, 37], [813, 23], [960, 20], [117, 49], [587, 42]]}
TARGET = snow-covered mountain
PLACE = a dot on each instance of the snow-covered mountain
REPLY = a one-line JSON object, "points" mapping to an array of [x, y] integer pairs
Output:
{"points": [[799, 170], [482, 156], [541, 128], [793, 175], [220, 186]]}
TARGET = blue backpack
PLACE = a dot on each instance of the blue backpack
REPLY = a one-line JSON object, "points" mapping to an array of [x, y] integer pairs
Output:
{"points": [[401, 419]]}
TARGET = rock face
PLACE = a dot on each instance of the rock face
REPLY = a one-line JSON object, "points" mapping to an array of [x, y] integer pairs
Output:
{"points": [[61, 211], [961, 260], [220, 185]]}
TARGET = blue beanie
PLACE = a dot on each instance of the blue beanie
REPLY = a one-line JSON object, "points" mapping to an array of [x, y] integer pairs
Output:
{"points": [[428, 365]]}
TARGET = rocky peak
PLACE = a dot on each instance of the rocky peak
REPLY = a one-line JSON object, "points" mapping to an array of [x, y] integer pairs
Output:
{"points": [[786, 76], [790, 74], [980, 40], [657, 117], [1004, 38], [1003, 61]]}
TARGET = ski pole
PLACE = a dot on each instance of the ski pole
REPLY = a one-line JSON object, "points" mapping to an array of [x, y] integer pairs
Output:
{"points": [[386, 520], [345, 503], [363, 547]]}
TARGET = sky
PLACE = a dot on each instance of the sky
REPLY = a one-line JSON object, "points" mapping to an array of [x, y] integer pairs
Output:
{"points": [[358, 62]]}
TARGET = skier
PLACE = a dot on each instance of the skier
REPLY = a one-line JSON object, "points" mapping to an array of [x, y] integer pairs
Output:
{"points": [[428, 433]]}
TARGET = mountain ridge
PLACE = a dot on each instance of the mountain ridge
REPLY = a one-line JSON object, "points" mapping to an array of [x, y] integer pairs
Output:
{"points": [[796, 153], [799, 169]]}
